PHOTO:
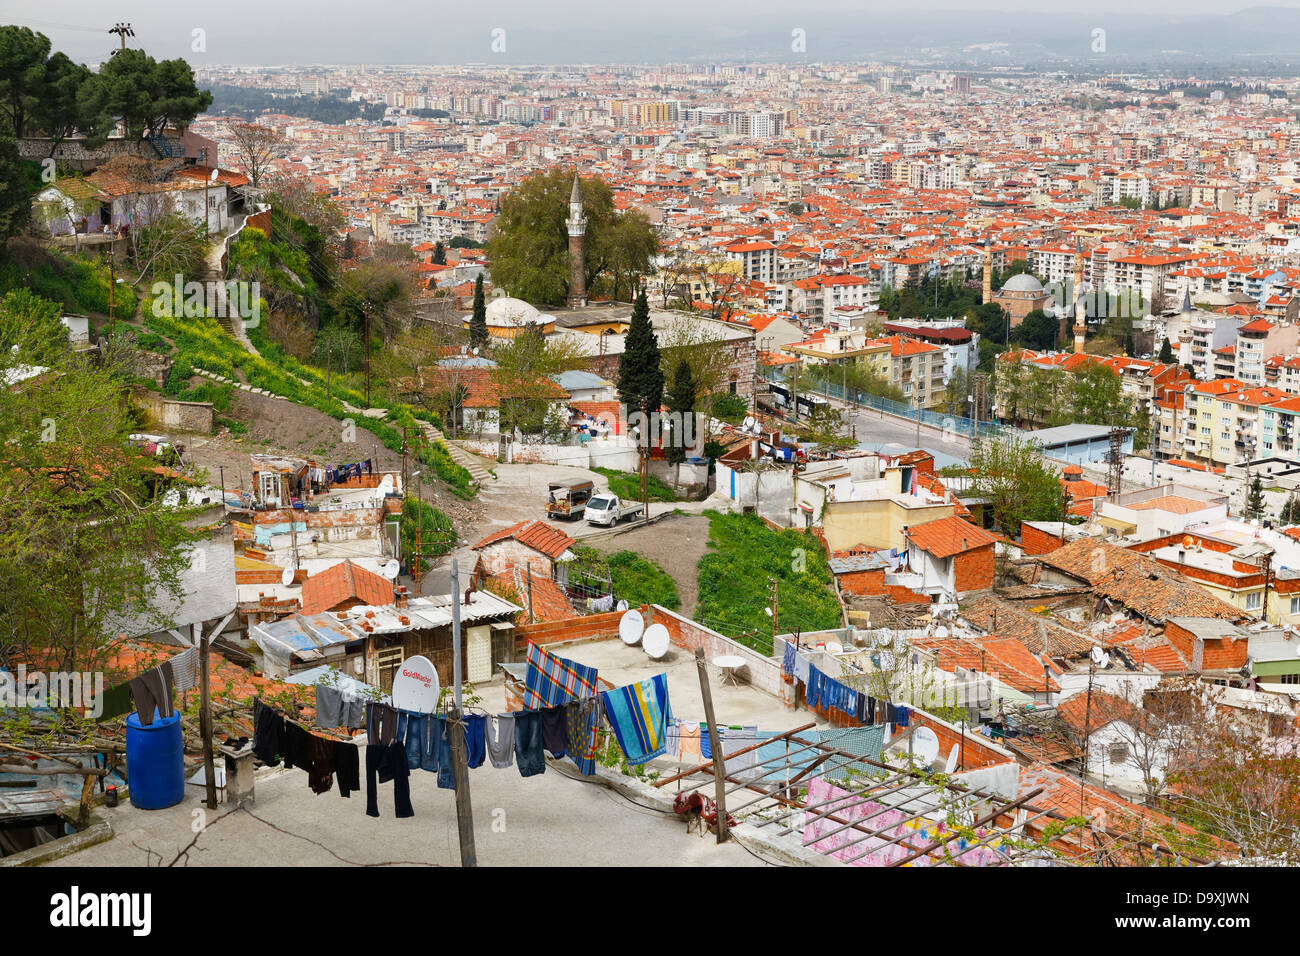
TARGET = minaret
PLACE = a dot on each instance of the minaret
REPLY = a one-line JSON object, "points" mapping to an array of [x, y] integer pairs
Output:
{"points": [[1076, 291], [988, 270], [1080, 307], [577, 224]]}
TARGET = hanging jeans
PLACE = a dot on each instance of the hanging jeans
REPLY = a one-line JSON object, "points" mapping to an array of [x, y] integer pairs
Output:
{"points": [[439, 733], [347, 767], [528, 743]]}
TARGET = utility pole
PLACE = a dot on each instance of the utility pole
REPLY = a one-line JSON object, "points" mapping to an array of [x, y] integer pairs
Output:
{"points": [[456, 731], [417, 569], [719, 764], [776, 606], [366, 314], [205, 719], [112, 294]]}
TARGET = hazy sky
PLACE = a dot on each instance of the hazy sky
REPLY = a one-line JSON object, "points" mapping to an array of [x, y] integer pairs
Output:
{"points": [[346, 31]]}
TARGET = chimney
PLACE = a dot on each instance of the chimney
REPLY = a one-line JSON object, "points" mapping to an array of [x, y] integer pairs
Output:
{"points": [[400, 596]]}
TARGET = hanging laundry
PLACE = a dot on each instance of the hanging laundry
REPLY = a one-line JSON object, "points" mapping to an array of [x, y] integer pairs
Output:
{"points": [[813, 689], [268, 733], [639, 713], [690, 744], [297, 747], [787, 659], [475, 740], [347, 767], [552, 680], [411, 730], [385, 762], [152, 691], [673, 746], [185, 668], [902, 716], [581, 718], [381, 722], [329, 706], [321, 777], [115, 702], [499, 732], [802, 667], [528, 743], [555, 731], [438, 730]]}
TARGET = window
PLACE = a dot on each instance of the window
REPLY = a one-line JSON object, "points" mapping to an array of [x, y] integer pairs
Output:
{"points": [[1117, 752], [1288, 679], [1253, 601], [1295, 605]]}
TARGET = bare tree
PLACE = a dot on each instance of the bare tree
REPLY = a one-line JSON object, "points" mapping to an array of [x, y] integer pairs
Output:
{"points": [[256, 148]]}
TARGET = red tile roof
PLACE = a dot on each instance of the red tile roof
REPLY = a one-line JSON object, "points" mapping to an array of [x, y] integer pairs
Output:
{"points": [[343, 582], [535, 534], [945, 537]]}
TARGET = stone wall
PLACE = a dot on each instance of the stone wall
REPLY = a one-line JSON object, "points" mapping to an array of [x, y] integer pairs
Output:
{"points": [[173, 415]]}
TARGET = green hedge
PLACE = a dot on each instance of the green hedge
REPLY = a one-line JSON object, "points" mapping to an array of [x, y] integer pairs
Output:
{"points": [[639, 580]]}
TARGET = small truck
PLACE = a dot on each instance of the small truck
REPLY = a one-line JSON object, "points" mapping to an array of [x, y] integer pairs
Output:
{"points": [[606, 509]]}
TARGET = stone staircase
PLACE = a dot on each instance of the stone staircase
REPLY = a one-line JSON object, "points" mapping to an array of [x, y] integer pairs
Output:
{"points": [[469, 461]]}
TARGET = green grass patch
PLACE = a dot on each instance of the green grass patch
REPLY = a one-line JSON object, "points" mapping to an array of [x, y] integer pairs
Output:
{"points": [[734, 580], [627, 485], [639, 580], [79, 284]]}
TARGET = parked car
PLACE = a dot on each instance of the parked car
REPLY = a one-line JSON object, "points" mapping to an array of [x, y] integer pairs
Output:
{"points": [[606, 509], [568, 499]]}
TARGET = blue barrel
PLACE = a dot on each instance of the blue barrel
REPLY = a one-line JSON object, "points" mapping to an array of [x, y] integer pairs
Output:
{"points": [[155, 762]]}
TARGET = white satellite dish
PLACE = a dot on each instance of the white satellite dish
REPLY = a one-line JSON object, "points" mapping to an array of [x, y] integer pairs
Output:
{"points": [[621, 606], [286, 576], [834, 647], [925, 745], [1105, 661], [1097, 654], [941, 632], [415, 685], [390, 569], [630, 627], [655, 641], [953, 756], [885, 638]]}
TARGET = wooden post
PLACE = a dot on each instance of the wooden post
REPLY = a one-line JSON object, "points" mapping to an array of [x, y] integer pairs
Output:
{"points": [[205, 723], [456, 733], [719, 764]]}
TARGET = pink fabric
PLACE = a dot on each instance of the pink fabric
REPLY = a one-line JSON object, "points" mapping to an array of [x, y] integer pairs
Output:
{"points": [[873, 851]]}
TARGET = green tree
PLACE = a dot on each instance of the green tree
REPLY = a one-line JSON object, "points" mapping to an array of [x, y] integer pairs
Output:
{"points": [[1166, 352], [1255, 499], [1037, 331], [530, 249], [15, 203], [85, 540], [1011, 474], [70, 103], [149, 95], [439, 254], [521, 377], [681, 400], [23, 54], [478, 330], [640, 373], [826, 430]]}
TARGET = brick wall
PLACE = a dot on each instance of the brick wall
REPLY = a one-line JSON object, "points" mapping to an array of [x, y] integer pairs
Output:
{"points": [[763, 672], [1225, 654], [503, 555], [973, 570], [593, 627], [975, 751], [901, 595], [862, 582], [1034, 541]]}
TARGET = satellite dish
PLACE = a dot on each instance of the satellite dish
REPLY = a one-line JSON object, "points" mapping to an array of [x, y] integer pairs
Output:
{"points": [[415, 686], [925, 745], [621, 606], [390, 569], [885, 638], [630, 627], [953, 756], [940, 631], [1105, 661], [286, 576], [655, 641], [1097, 654], [834, 647]]}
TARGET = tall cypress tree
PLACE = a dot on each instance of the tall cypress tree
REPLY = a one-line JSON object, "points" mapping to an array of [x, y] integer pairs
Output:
{"points": [[439, 254], [640, 377], [681, 399], [478, 332]]}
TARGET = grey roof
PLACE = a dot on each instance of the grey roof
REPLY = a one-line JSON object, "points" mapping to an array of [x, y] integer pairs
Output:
{"points": [[1023, 282], [579, 379], [1208, 628], [857, 562], [1067, 434]]}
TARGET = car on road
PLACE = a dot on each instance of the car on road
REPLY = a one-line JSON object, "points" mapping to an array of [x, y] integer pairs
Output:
{"points": [[608, 510], [568, 499]]}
